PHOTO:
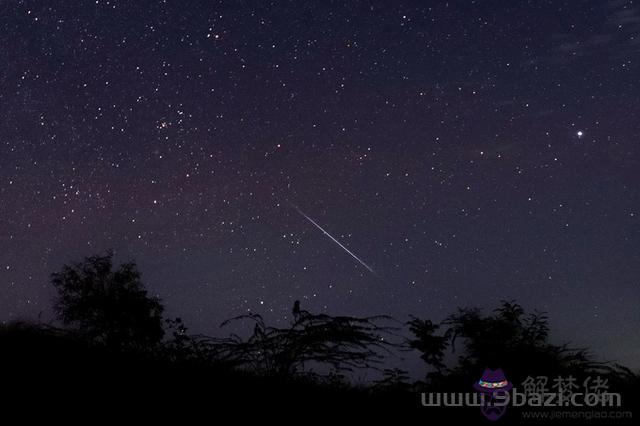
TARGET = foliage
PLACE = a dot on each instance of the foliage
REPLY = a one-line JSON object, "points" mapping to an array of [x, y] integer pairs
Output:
{"points": [[110, 307], [340, 342], [430, 345], [509, 338]]}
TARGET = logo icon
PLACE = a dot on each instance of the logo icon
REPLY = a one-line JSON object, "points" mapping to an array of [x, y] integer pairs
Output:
{"points": [[493, 385]]}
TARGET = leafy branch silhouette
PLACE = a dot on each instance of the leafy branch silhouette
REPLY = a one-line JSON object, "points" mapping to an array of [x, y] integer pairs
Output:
{"points": [[343, 343]]}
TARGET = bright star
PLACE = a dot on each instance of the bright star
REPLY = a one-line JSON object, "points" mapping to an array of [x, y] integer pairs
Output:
{"points": [[580, 133]]}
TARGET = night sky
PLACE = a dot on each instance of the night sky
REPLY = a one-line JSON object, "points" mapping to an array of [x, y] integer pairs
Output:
{"points": [[464, 151]]}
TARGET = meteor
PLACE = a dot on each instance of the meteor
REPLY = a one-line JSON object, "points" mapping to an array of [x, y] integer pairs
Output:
{"points": [[333, 239]]}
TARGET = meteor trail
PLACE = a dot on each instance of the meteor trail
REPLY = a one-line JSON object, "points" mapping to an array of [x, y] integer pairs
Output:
{"points": [[333, 239]]}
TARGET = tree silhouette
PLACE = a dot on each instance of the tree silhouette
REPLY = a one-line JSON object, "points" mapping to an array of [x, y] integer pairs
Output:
{"points": [[430, 345], [339, 342], [509, 338], [110, 307]]}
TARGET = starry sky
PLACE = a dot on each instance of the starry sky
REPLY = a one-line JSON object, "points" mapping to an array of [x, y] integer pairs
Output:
{"points": [[464, 151]]}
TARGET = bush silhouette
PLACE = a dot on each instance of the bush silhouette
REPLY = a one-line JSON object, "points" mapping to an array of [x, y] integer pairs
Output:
{"points": [[109, 307], [114, 346], [341, 343], [509, 338]]}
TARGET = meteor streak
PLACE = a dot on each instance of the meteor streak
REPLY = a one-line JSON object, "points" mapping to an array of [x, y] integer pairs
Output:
{"points": [[333, 239]]}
